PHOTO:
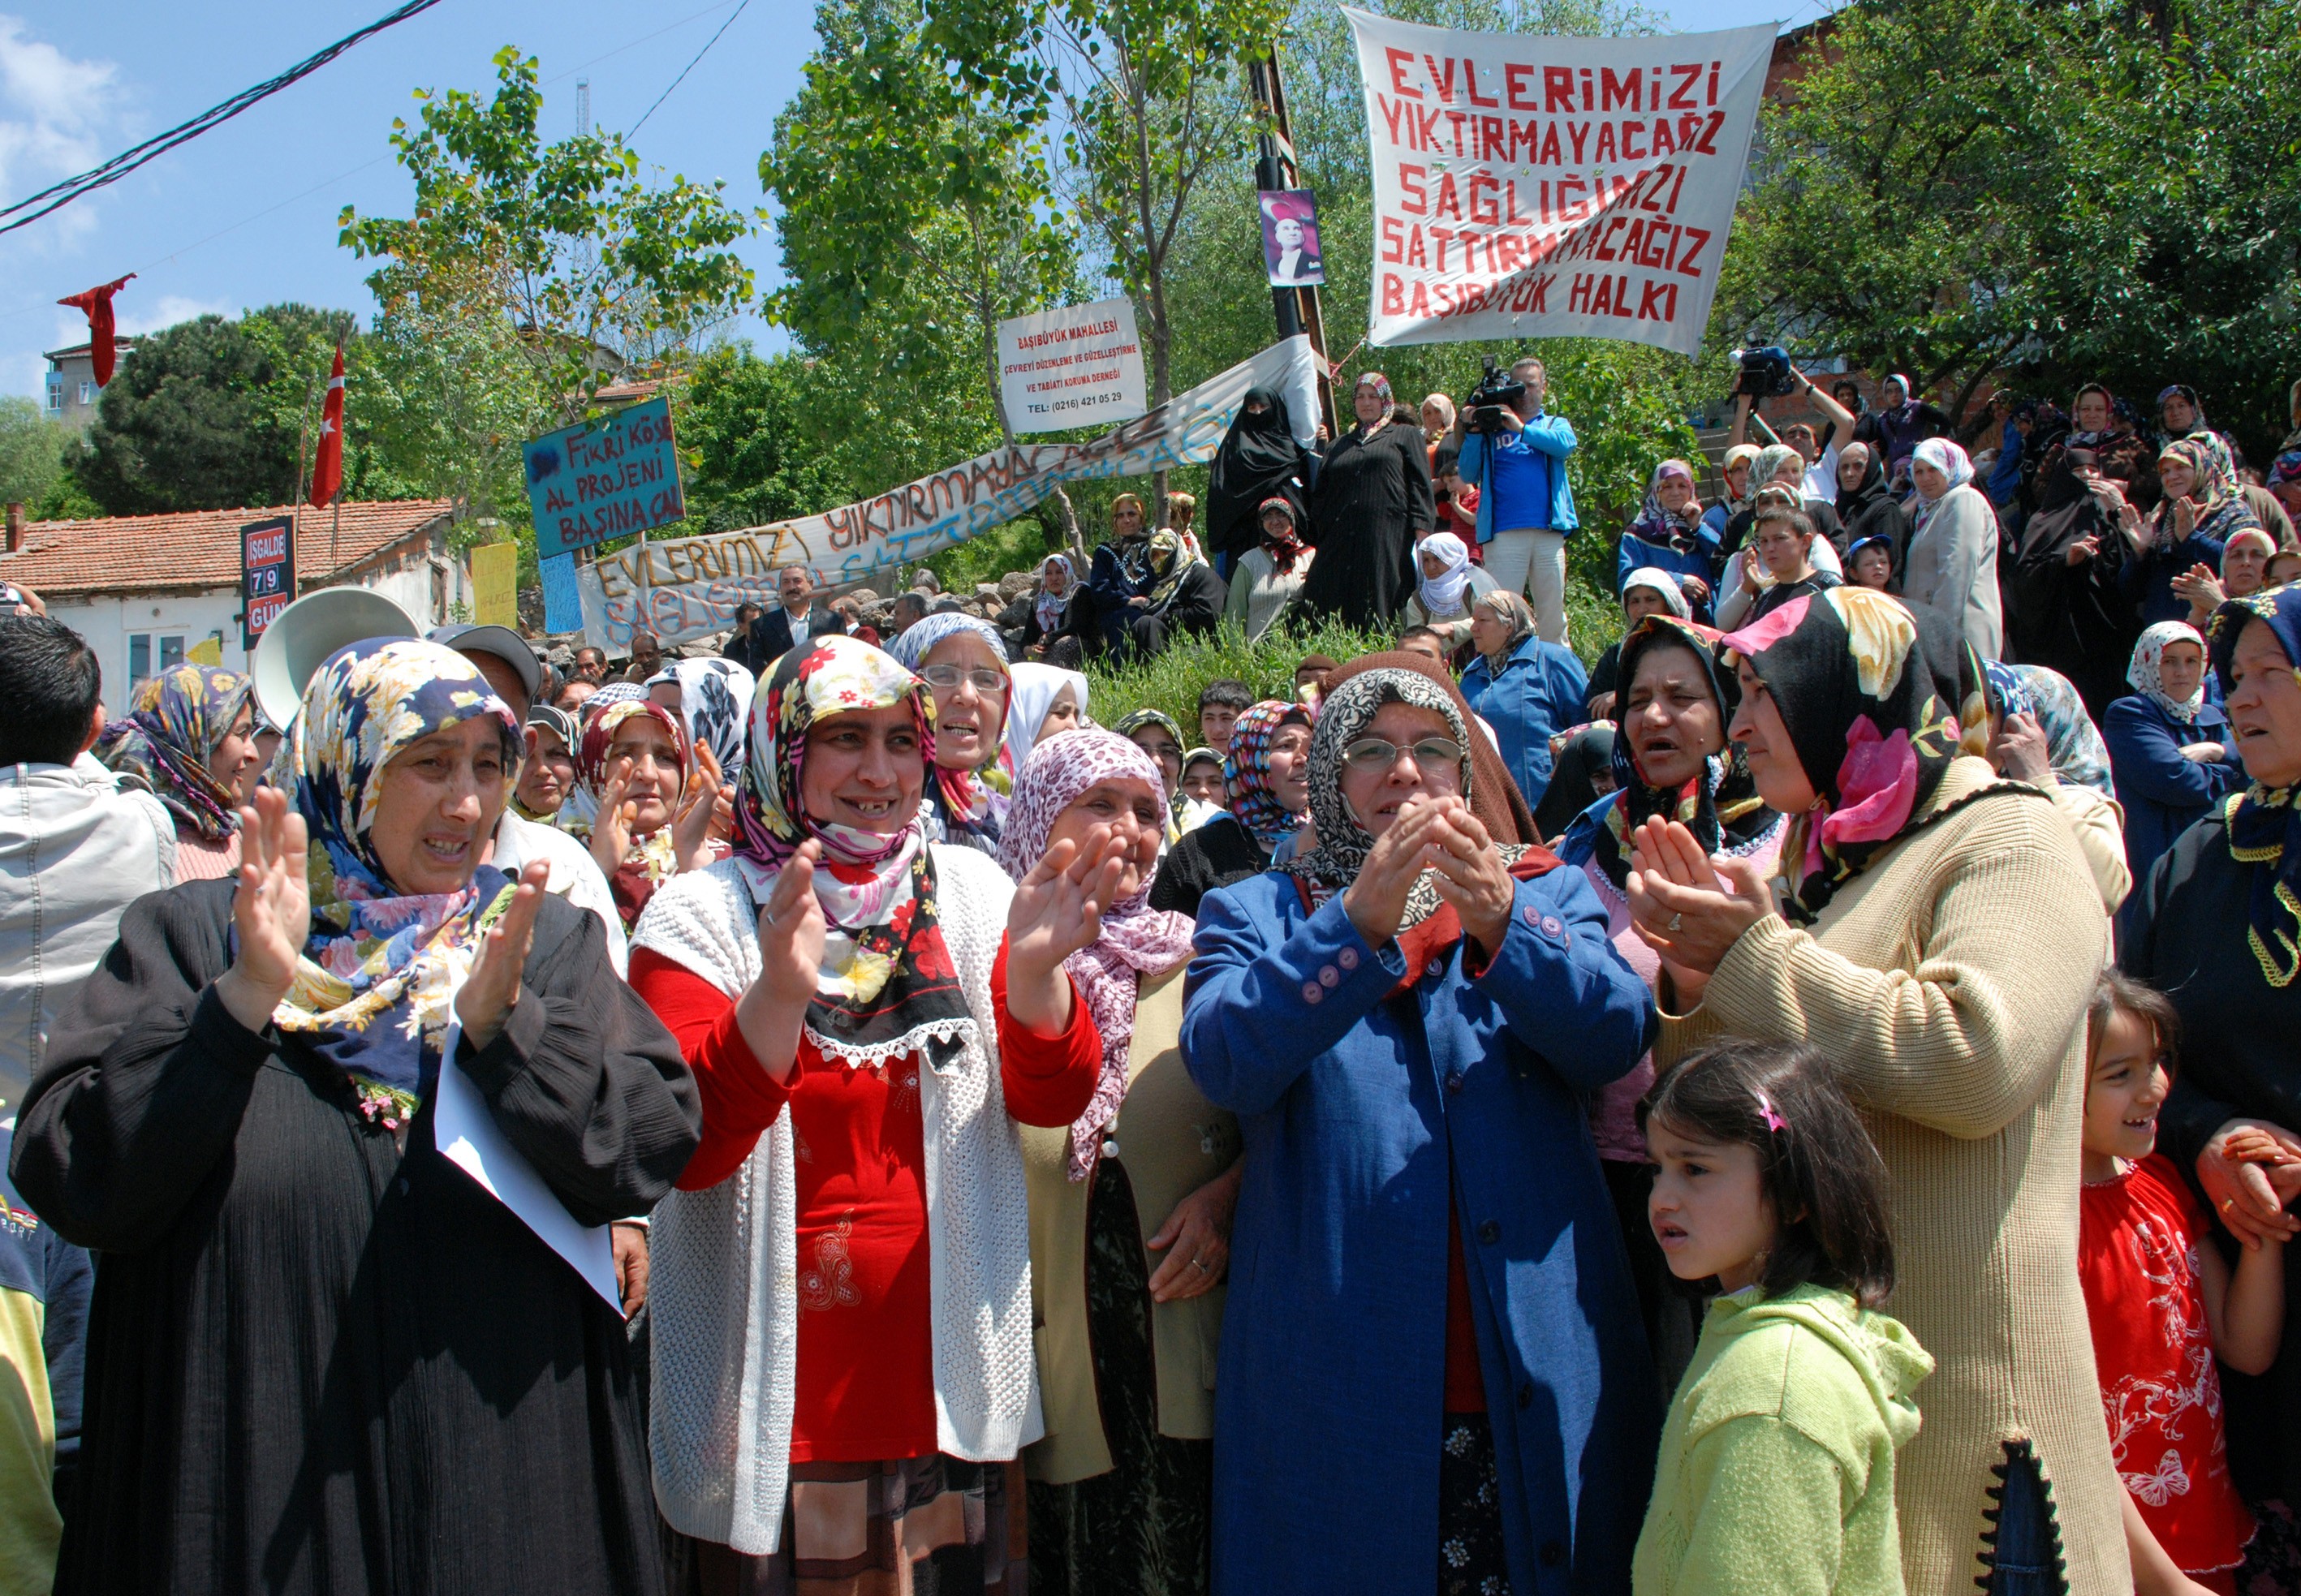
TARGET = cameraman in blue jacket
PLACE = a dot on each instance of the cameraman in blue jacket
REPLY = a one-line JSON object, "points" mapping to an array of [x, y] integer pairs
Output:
{"points": [[1526, 508]]}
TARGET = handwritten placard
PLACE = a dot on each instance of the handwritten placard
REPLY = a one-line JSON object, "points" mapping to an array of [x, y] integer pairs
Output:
{"points": [[602, 479]]}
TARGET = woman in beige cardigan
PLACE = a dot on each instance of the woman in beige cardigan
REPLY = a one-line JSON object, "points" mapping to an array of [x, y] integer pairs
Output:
{"points": [[1938, 937]]}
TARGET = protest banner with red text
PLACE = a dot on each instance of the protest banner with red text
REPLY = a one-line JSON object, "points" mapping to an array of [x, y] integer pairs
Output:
{"points": [[1527, 186]]}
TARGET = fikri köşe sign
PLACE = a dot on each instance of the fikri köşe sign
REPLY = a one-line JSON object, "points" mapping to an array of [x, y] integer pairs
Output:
{"points": [[1528, 185], [604, 478]]}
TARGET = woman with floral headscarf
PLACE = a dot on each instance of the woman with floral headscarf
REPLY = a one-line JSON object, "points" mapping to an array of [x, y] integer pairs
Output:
{"points": [[1405, 1021], [1371, 504], [1952, 564], [1264, 784], [647, 826], [191, 743], [2169, 744], [2213, 928], [239, 1114], [1130, 1216], [713, 698], [841, 1293], [2200, 511], [1670, 532], [964, 664], [1910, 934], [1036, 622]]}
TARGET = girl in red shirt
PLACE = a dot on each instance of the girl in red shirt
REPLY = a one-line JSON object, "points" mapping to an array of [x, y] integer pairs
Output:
{"points": [[840, 1287], [2163, 1305]]}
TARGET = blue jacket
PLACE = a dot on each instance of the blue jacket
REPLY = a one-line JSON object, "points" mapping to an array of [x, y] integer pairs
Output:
{"points": [[2146, 580], [1542, 689], [1527, 486], [1702, 560], [2163, 794], [2005, 476], [1367, 1122]]}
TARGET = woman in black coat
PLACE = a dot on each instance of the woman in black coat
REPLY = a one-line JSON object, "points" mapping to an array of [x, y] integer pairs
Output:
{"points": [[2063, 609], [321, 1357], [1260, 460], [1865, 510], [1371, 505]]}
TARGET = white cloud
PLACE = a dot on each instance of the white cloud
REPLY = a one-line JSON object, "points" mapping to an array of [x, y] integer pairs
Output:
{"points": [[57, 108], [165, 310]]}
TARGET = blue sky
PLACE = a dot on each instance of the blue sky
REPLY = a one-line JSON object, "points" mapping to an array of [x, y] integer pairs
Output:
{"points": [[246, 215]]}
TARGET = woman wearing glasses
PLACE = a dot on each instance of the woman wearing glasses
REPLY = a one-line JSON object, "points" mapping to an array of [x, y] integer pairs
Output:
{"points": [[1431, 1354], [964, 664]]}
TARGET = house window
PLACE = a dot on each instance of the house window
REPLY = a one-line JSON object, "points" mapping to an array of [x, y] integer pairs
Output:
{"points": [[55, 394], [88, 393], [150, 653]]}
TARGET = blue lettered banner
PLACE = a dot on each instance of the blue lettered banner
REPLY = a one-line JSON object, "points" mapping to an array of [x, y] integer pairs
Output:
{"points": [[605, 478]]}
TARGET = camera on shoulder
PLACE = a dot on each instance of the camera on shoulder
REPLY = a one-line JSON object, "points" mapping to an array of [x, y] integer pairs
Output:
{"points": [[1766, 372], [1498, 391]]}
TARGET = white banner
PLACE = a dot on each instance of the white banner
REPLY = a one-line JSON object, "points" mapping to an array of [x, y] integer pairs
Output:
{"points": [[1527, 186], [689, 587], [1079, 366]]}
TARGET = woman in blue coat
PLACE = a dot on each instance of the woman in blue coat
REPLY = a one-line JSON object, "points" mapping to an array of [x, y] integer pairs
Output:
{"points": [[1432, 1363], [1522, 687], [2171, 751]]}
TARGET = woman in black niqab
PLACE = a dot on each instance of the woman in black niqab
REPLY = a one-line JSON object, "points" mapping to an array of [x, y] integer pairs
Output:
{"points": [[2062, 608], [1258, 459]]}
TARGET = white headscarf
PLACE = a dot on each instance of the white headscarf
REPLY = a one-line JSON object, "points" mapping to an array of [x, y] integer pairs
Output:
{"points": [[1442, 595], [1035, 690], [1948, 459], [1657, 580], [2144, 674]]}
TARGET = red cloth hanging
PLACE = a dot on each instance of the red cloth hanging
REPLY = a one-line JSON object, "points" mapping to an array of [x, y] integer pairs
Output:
{"points": [[328, 462], [97, 302]]}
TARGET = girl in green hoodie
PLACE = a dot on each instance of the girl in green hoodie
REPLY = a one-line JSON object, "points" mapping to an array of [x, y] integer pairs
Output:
{"points": [[1776, 1465]]}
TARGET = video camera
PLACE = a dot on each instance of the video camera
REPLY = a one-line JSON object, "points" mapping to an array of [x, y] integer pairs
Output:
{"points": [[1766, 372], [1496, 392]]}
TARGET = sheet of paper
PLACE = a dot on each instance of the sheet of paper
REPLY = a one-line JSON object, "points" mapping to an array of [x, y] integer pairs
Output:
{"points": [[466, 1131]]}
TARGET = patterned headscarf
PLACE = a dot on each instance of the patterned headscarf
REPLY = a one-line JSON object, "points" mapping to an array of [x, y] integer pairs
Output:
{"points": [[1656, 524], [1286, 547], [2265, 824], [886, 979], [652, 858], [2146, 676], [375, 988], [1442, 595], [1047, 608], [2073, 743], [1175, 800], [1135, 939], [1865, 715], [180, 716], [540, 718], [962, 808], [1376, 381], [1947, 458], [1513, 609], [1246, 771], [1169, 561], [1720, 806], [714, 700], [1771, 461]]}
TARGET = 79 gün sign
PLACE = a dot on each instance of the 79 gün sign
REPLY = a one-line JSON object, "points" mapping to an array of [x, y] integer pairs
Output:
{"points": [[602, 479]]}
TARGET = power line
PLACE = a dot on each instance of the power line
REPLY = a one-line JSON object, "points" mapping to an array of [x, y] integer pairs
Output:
{"points": [[61, 194], [690, 67]]}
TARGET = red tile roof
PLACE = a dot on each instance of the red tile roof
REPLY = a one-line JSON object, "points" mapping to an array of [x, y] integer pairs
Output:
{"points": [[201, 548]]}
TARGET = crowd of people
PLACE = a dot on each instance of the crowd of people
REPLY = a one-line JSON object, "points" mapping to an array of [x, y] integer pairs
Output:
{"points": [[1801, 1107]]}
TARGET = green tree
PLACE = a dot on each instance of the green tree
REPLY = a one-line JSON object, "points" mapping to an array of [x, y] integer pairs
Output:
{"points": [[31, 451]]}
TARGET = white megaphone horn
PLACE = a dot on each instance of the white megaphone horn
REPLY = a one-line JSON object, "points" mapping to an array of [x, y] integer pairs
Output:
{"points": [[302, 637]]}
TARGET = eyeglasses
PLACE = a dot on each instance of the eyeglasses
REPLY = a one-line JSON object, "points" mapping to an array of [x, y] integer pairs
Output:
{"points": [[946, 679], [1431, 754]]}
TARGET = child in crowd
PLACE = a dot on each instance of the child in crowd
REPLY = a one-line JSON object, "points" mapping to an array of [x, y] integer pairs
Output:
{"points": [[2163, 1304], [1869, 563], [2284, 566], [1202, 777], [1220, 704], [1776, 1465], [1310, 681]]}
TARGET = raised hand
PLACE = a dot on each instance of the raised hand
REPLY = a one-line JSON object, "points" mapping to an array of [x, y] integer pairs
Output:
{"points": [[1468, 873], [1376, 901], [791, 932], [1056, 911], [484, 1002], [611, 831], [272, 910], [706, 800], [1679, 908]]}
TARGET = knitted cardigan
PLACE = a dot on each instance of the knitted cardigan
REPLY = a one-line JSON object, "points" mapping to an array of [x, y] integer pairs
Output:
{"points": [[722, 1281], [1948, 983]]}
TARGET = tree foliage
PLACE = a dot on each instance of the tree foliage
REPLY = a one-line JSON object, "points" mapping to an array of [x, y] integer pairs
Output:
{"points": [[31, 451], [2075, 192]]}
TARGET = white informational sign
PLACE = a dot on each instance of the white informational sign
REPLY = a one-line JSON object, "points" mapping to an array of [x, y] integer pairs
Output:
{"points": [[1527, 186], [682, 589], [1079, 366]]}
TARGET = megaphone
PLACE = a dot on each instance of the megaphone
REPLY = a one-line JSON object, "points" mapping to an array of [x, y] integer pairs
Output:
{"points": [[302, 637]]}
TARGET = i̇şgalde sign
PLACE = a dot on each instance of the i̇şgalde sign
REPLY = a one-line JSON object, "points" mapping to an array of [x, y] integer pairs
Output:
{"points": [[1527, 186]]}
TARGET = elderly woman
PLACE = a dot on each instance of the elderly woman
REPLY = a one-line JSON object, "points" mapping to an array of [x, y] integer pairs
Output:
{"points": [[712, 700], [1266, 787], [1449, 584], [1865, 508], [1406, 1021], [1266, 580], [1187, 598], [2213, 929], [1952, 565], [547, 775], [1734, 474], [1372, 502], [963, 665], [2245, 569], [841, 1285], [1671, 759], [1524, 688], [2200, 511], [1911, 940], [1130, 1216], [189, 742], [239, 1115], [1670, 532], [2169, 745]]}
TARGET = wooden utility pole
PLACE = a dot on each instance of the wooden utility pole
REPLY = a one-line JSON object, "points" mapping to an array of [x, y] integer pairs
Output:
{"points": [[1274, 167]]}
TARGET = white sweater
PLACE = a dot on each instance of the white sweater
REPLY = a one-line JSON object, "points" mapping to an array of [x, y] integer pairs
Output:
{"points": [[723, 1282]]}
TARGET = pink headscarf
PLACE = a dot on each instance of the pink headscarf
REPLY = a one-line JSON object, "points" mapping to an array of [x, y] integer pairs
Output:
{"points": [[1136, 939]]}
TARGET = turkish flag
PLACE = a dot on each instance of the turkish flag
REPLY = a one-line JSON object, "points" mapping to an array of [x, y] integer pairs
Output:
{"points": [[97, 302], [328, 464]]}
